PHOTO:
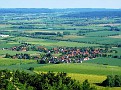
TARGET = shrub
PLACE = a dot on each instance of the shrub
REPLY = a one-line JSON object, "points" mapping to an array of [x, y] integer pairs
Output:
{"points": [[117, 81], [31, 68], [112, 81], [86, 86]]}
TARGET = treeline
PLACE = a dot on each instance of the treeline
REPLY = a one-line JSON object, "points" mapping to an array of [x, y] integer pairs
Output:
{"points": [[112, 28], [17, 80], [112, 81], [94, 14], [19, 56], [36, 27], [45, 33], [26, 10]]}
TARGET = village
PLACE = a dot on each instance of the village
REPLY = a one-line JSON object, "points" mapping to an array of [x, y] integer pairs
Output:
{"points": [[58, 54]]}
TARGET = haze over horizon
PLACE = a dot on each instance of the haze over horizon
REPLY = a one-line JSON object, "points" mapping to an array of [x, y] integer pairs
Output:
{"points": [[113, 4]]}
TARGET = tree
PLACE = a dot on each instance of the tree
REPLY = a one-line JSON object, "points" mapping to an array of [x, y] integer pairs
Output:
{"points": [[112, 81], [117, 81], [59, 34], [7, 55], [66, 33], [31, 68], [86, 85], [43, 81]]}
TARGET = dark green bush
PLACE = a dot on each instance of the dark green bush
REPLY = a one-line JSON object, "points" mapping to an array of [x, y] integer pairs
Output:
{"points": [[112, 81], [31, 68]]}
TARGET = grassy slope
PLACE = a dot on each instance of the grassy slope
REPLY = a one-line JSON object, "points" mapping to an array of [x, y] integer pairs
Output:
{"points": [[94, 73], [84, 68], [3, 52], [7, 61], [53, 42], [118, 51], [109, 61]]}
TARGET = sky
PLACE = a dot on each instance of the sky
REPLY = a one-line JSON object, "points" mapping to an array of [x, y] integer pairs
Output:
{"points": [[60, 4]]}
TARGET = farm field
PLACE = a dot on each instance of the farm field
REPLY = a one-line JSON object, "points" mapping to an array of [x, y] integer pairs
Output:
{"points": [[84, 68], [56, 43], [93, 79], [63, 43], [93, 72], [83, 44], [106, 61], [7, 62], [7, 45], [118, 51], [45, 42], [118, 36], [3, 52]]}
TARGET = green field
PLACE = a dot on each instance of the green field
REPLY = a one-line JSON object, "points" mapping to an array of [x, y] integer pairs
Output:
{"points": [[93, 79], [66, 44], [3, 52], [7, 62], [101, 34], [8, 45], [118, 51], [93, 72], [105, 61], [84, 68], [53, 43]]}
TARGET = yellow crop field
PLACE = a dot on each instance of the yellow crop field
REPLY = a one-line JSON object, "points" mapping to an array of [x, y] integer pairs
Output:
{"points": [[93, 80]]}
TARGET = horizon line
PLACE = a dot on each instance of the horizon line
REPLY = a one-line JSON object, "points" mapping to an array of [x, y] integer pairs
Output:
{"points": [[54, 8]]}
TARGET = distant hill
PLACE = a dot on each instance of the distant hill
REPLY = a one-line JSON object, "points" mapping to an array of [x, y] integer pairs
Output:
{"points": [[25, 10], [84, 9], [47, 10], [94, 14]]}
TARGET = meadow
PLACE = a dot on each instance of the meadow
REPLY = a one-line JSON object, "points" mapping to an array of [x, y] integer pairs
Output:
{"points": [[7, 62], [51, 43], [84, 68], [105, 61], [3, 52], [93, 80]]}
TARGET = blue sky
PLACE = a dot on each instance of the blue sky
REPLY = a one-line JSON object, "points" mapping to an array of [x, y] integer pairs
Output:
{"points": [[60, 3]]}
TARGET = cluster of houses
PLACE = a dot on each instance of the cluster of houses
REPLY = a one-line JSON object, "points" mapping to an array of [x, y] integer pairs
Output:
{"points": [[74, 55], [28, 47], [70, 55], [20, 48], [60, 54]]}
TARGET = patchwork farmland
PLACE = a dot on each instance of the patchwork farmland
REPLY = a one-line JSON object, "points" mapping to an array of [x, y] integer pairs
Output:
{"points": [[85, 45]]}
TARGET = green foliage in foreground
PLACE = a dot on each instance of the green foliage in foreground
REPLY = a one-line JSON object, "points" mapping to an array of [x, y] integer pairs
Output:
{"points": [[49, 81], [112, 81]]}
